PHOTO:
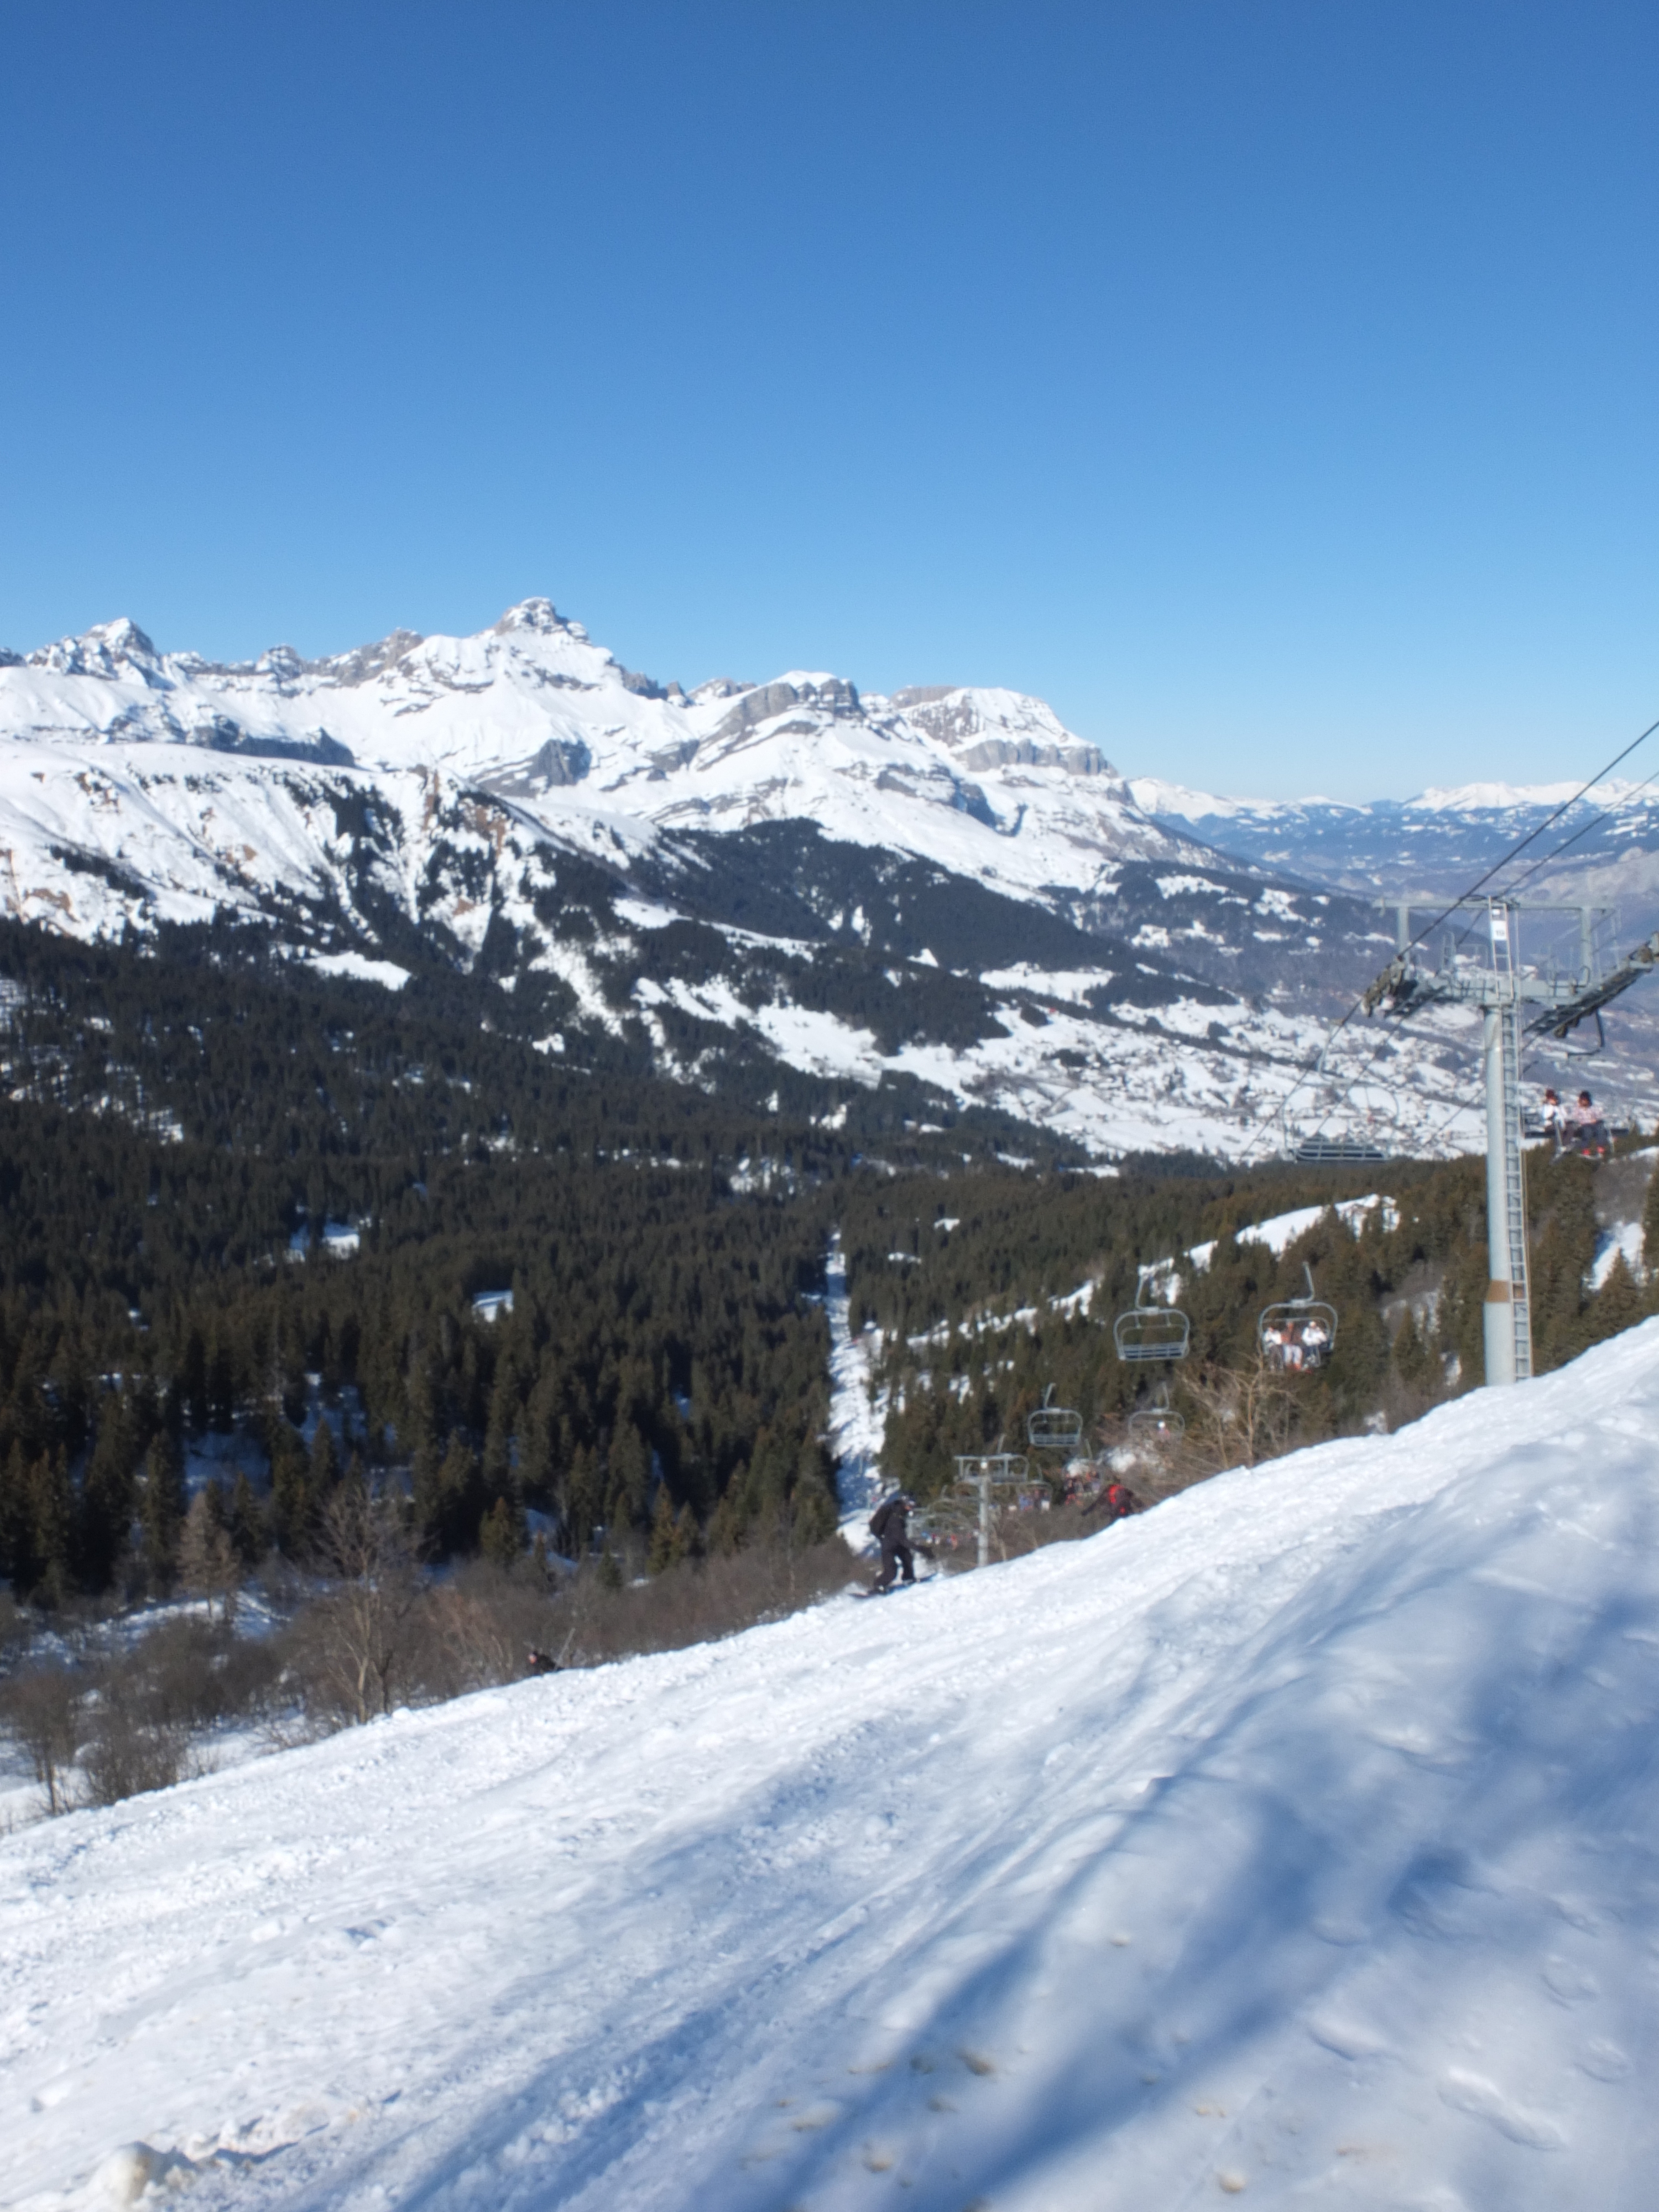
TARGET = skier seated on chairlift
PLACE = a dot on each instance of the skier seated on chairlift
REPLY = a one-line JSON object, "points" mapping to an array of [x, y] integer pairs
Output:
{"points": [[1282, 1341], [889, 1524], [1587, 1133], [1554, 1120], [1315, 1342]]}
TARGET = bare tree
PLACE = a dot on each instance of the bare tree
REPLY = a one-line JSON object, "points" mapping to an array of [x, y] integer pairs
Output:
{"points": [[42, 1709], [359, 1631], [208, 1565], [1243, 1415]]}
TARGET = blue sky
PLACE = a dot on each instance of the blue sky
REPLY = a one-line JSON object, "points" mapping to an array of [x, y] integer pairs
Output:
{"points": [[1270, 386]]}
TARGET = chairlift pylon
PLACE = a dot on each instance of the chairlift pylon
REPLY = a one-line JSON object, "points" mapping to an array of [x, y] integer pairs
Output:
{"points": [[1297, 1335], [1054, 1428], [1148, 1332], [1158, 1423]]}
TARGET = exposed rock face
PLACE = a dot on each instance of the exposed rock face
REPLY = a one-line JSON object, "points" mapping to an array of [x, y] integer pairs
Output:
{"points": [[561, 762], [1001, 752], [830, 695], [369, 661]]}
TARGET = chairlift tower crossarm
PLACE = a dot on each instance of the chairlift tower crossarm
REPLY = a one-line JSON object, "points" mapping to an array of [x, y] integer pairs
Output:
{"points": [[1410, 984], [987, 1472]]}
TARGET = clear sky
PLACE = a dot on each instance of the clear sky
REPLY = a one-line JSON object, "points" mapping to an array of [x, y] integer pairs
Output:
{"points": [[1269, 384]]}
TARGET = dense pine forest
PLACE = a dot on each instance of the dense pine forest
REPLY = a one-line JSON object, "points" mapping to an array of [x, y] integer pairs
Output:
{"points": [[265, 1232]]}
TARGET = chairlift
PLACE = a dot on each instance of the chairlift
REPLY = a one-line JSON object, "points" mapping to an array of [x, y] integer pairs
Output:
{"points": [[1052, 1428], [1315, 1147], [1337, 1152], [1158, 1423], [1297, 1335], [1148, 1332]]}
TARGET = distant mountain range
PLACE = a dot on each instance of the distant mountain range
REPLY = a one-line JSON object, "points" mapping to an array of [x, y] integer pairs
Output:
{"points": [[1603, 849], [943, 889]]}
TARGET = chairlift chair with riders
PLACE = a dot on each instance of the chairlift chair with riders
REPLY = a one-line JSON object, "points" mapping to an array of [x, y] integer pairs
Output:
{"points": [[1297, 1335], [1054, 1428], [1158, 1423], [1148, 1332]]}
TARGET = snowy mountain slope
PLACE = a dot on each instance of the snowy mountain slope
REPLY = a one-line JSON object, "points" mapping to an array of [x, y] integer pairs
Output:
{"points": [[987, 783], [750, 876], [946, 890], [1294, 1840]]}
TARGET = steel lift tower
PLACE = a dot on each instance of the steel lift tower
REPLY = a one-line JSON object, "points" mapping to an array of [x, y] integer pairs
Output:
{"points": [[1504, 988]]}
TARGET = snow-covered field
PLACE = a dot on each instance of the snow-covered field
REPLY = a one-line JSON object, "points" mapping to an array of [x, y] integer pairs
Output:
{"points": [[1296, 1841]]}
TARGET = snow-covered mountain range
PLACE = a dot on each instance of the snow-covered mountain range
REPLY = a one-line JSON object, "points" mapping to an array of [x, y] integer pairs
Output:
{"points": [[988, 784], [944, 889]]}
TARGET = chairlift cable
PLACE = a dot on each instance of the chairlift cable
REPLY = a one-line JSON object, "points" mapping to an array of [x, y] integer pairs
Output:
{"points": [[1463, 899]]}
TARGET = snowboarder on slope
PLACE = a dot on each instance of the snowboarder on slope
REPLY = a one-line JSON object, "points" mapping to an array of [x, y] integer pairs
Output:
{"points": [[889, 1524]]}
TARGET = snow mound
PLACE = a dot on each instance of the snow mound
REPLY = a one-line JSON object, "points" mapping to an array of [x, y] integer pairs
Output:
{"points": [[1296, 1840]]}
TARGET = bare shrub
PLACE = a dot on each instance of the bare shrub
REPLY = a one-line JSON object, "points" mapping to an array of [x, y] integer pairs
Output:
{"points": [[349, 1648], [16, 1629], [43, 1709], [196, 1675], [154, 1702], [129, 1750], [696, 1601], [1242, 1415], [479, 1627]]}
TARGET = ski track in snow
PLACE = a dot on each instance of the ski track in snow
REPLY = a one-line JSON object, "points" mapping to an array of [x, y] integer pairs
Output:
{"points": [[1295, 1838], [857, 1426]]}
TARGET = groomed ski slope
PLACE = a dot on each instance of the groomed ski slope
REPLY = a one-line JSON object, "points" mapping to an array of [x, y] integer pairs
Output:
{"points": [[1295, 1842]]}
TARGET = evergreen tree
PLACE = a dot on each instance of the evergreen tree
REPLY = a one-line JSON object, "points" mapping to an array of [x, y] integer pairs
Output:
{"points": [[1617, 1306], [162, 1510], [54, 1526], [667, 1536], [245, 1522], [291, 1501], [502, 1536]]}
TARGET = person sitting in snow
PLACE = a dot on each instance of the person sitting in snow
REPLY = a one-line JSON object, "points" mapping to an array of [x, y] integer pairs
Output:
{"points": [[890, 1525]]}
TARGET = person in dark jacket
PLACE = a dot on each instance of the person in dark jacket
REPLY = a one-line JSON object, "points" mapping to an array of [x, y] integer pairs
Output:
{"points": [[890, 1525]]}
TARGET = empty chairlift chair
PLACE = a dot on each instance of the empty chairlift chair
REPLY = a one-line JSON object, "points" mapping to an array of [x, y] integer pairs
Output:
{"points": [[1158, 1423], [1148, 1332], [1054, 1428], [1298, 1334]]}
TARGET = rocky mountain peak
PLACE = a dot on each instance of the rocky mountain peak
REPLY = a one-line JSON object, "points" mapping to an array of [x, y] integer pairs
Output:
{"points": [[108, 649], [540, 616]]}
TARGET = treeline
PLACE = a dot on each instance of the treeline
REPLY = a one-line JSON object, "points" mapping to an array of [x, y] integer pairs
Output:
{"points": [[977, 1320], [180, 1136]]}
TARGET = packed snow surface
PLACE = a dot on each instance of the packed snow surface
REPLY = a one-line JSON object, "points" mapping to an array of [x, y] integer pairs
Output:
{"points": [[1297, 1839]]}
